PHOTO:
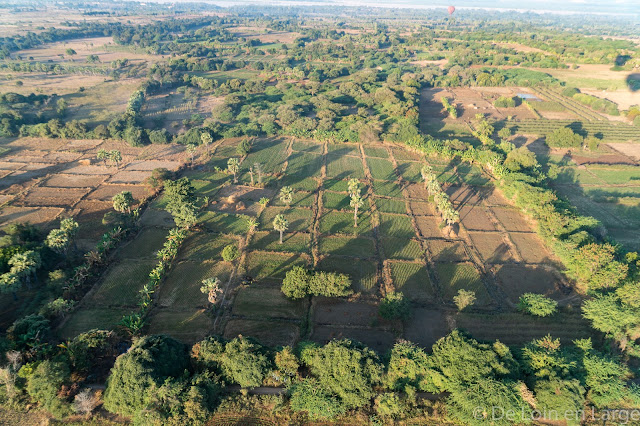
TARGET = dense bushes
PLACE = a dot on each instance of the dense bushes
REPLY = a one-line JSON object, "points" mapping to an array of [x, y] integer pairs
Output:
{"points": [[505, 102], [300, 282], [564, 137]]}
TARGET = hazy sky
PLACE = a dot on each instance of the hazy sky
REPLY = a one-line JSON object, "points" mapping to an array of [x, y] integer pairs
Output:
{"points": [[589, 6]]}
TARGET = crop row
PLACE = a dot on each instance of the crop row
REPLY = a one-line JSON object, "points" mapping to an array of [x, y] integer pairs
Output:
{"points": [[573, 106], [603, 130]]}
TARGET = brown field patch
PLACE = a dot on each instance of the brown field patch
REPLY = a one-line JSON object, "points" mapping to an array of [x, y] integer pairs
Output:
{"points": [[153, 217], [447, 251], [492, 197], [74, 181], [270, 333], [375, 338], [603, 159], [149, 165], [426, 326], [82, 145], [79, 169], [11, 165], [491, 247], [33, 215], [47, 83], [531, 248], [343, 312], [461, 195], [629, 149], [422, 208], [106, 192], [476, 218], [516, 280], [125, 176], [416, 190], [62, 156], [44, 196], [512, 219], [428, 226], [45, 144]]}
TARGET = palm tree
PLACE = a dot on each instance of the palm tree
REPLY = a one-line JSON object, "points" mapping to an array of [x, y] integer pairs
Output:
{"points": [[286, 195], [251, 172], [356, 202], [24, 265], [123, 201], [280, 224], [258, 169], [206, 139], [233, 165], [115, 156], [354, 186], [211, 287], [102, 155], [426, 173], [433, 187], [252, 224], [57, 240], [191, 149]]}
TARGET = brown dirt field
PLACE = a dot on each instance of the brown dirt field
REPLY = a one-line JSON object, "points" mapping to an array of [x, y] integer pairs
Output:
{"points": [[462, 195], [125, 176], [90, 219], [511, 219], [79, 169], [62, 180], [149, 165], [631, 150], [603, 159], [492, 197], [47, 83], [374, 338], [152, 217], [428, 227], [33, 215], [166, 152], [43, 196], [426, 326], [447, 251], [44, 144], [491, 247], [11, 165], [342, 312], [531, 248], [416, 190], [270, 333], [475, 218], [106, 192], [518, 279], [421, 208], [62, 156], [82, 145]]}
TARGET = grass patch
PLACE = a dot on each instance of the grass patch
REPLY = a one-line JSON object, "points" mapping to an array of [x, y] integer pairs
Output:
{"points": [[381, 169], [204, 246], [122, 283], [387, 189], [266, 302], [264, 265], [270, 153], [343, 149], [401, 248], [345, 246], [413, 280], [300, 220], [87, 319], [340, 201], [398, 226], [188, 326], [304, 164], [344, 167], [144, 245], [457, 276], [363, 273], [181, 288], [300, 199], [315, 148], [224, 223], [372, 151], [291, 242], [342, 223], [388, 205], [299, 182]]}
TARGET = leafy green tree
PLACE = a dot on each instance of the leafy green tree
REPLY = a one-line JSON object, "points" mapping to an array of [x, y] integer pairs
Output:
{"points": [[345, 369], [244, 362], [280, 224], [206, 140], [44, 385], [389, 405], [230, 252], [243, 148], [309, 396], [299, 283], [123, 201], [191, 150], [25, 265], [464, 299], [137, 373], [57, 240], [520, 158], [115, 156], [394, 306], [547, 358], [595, 266], [564, 137], [102, 155], [29, 331], [537, 304], [295, 284], [233, 165], [560, 396], [410, 367]]}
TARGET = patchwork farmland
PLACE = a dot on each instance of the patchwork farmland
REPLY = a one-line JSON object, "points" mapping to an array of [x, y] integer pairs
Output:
{"points": [[397, 246]]}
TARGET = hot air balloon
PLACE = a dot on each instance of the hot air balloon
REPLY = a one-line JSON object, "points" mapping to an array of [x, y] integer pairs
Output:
{"points": [[451, 9]]}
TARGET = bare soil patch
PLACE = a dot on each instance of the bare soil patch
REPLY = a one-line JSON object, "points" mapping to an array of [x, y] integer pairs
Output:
{"points": [[426, 326], [342, 312], [149, 165], [603, 159], [417, 191], [33, 215], [531, 248], [447, 251], [461, 195], [428, 227], [90, 170], [491, 247], [422, 208], [153, 217], [516, 280], [45, 196], [476, 218], [125, 176], [631, 150], [106, 192], [511, 219], [62, 180]]}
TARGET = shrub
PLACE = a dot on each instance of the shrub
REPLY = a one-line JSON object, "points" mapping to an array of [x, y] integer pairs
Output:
{"points": [[389, 405], [149, 362], [161, 136], [564, 137], [569, 92], [309, 396], [230, 253], [244, 363], [45, 384], [28, 331], [464, 298], [505, 102], [394, 306], [537, 304], [299, 283]]}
